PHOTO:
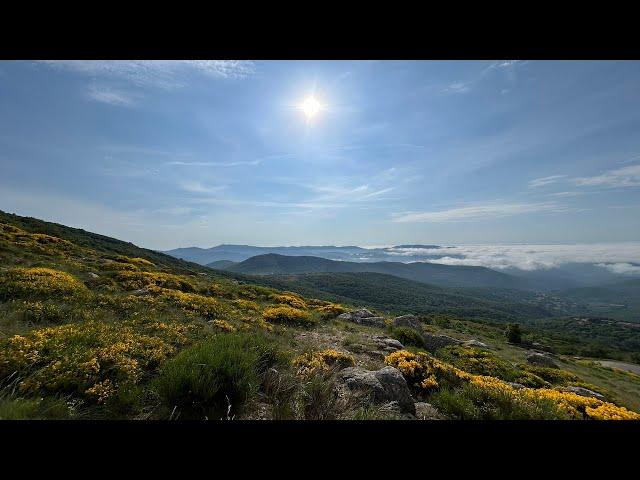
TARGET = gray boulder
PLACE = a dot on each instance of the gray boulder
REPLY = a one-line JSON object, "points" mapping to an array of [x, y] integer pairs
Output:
{"points": [[388, 344], [584, 392], [433, 342], [363, 317], [380, 386], [409, 321], [93, 275], [475, 343], [426, 411], [517, 386], [140, 292], [541, 360]]}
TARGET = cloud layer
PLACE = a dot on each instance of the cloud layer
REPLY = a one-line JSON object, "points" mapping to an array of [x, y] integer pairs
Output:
{"points": [[617, 257]]}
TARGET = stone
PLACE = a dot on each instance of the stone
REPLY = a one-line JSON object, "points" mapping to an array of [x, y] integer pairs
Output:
{"points": [[426, 411], [142, 291], [475, 343], [380, 386], [409, 321], [541, 360], [363, 317], [93, 275], [433, 342], [584, 392], [389, 344], [517, 386]]}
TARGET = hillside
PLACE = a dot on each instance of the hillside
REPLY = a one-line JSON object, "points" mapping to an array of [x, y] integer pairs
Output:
{"points": [[432, 273], [96, 328]]}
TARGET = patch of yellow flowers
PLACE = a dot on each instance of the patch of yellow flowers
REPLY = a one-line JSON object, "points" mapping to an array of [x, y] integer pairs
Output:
{"points": [[312, 363], [290, 299], [91, 359], [424, 371], [38, 281]]}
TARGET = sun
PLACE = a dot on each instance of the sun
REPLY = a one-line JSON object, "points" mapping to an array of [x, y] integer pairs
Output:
{"points": [[310, 107]]}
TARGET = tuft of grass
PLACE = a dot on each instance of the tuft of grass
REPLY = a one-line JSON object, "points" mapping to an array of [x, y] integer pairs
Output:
{"points": [[17, 408], [218, 374], [408, 336]]}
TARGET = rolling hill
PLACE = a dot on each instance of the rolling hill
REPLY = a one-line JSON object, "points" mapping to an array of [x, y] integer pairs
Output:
{"points": [[432, 273]]}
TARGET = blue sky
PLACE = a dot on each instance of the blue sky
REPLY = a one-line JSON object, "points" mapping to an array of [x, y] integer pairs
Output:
{"points": [[168, 154]]}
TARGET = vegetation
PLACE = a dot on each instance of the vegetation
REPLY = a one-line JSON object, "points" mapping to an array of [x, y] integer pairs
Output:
{"points": [[91, 327], [513, 333]]}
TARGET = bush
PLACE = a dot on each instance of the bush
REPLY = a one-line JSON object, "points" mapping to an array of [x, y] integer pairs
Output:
{"points": [[513, 333], [38, 282], [288, 316], [202, 381], [327, 360], [408, 336]]}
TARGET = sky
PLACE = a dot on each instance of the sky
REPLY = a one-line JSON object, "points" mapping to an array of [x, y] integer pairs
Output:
{"points": [[198, 153]]}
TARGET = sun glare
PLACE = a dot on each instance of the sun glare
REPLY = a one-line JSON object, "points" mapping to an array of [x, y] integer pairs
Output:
{"points": [[310, 107]]}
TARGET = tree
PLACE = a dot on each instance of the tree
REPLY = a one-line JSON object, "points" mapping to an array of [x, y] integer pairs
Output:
{"points": [[513, 333]]}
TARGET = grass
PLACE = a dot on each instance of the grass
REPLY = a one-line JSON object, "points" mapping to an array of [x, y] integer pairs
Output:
{"points": [[216, 377]]}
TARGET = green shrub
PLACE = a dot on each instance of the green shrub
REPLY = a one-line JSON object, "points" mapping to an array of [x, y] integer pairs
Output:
{"points": [[513, 333], [408, 336], [202, 381]]}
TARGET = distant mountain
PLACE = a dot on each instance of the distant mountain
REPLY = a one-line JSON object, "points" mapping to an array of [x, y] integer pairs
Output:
{"points": [[417, 246], [432, 273], [221, 264], [618, 300], [238, 253]]}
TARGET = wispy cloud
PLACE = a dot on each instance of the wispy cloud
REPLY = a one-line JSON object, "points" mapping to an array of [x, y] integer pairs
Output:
{"points": [[621, 177], [199, 187], [539, 182], [214, 164], [621, 268], [110, 96], [156, 73], [476, 212], [458, 87]]}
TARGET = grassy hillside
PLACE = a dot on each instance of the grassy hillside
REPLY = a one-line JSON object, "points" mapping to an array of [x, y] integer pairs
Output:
{"points": [[398, 295], [96, 328]]}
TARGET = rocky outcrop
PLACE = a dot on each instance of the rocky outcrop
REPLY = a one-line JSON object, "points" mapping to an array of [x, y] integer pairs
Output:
{"points": [[388, 344], [363, 317], [541, 360], [475, 343], [426, 411], [584, 392], [433, 342], [380, 386], [409, 321]]}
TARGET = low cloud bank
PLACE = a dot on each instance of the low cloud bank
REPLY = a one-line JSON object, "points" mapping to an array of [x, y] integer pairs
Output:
{"points": [[621, 258]]}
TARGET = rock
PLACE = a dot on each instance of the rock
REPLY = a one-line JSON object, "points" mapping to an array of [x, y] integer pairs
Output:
{"points": [[541, 360], [433, 342], [363, 317], [426, 411], [142, 291], [516, 385], [475, 343], [409, 321], [389, 344], [381, 386], [93, 275], [584, 392]]}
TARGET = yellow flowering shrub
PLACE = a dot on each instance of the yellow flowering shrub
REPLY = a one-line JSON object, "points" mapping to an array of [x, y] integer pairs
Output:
{"points": [[331, 310], [138, 280], [223, 325], [90, 359], [324, 361], [192, 303], [245, 305], [38, 282], [139, 261], [426, 372], [118, 267], [290, 299], [287, 315]]}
